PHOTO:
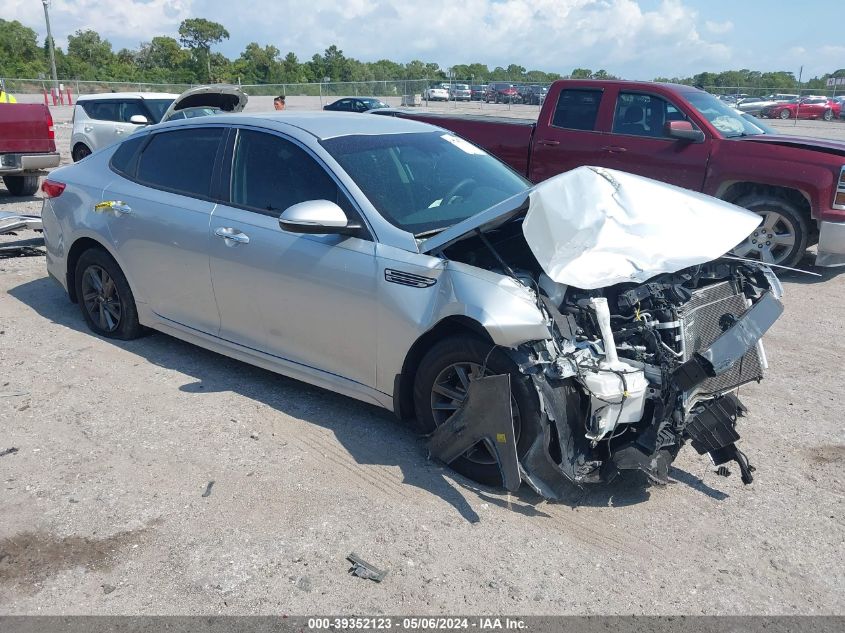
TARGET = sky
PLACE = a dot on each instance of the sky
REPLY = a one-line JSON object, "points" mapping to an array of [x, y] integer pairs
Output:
{"points": [[635, 39]]}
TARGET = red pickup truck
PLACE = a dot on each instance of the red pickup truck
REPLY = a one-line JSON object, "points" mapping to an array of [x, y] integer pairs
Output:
{"points": [[686, 137], [27, 146]]}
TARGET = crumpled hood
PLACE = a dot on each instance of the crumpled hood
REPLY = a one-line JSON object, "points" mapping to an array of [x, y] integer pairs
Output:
{"points": [[593, 227]]}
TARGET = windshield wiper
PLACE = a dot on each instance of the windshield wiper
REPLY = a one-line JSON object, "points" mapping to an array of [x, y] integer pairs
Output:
{"points": [[430, 232]]}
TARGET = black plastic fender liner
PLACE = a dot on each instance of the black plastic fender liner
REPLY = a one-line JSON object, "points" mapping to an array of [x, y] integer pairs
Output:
{"points": [[485, 416], [541, 470]]}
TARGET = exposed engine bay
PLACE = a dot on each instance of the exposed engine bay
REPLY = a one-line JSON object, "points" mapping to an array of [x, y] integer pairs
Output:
{"points": [[633, 371]]}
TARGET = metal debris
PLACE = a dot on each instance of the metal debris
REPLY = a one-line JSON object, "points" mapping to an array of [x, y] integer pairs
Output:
{"points": [[8, 451], [363, 569], [207, 492]]}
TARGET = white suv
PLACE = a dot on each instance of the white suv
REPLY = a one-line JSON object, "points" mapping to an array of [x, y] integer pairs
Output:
{"points": [[102, 119]]}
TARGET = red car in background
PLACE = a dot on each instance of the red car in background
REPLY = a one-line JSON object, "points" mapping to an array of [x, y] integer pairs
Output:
{"points": [[806, 108]]}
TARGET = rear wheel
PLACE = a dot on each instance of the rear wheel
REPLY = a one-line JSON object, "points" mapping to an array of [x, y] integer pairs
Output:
{"points": [[25, 185], [441, 387], [784, 114], [79, 152], [104, 296], [782, 236]]}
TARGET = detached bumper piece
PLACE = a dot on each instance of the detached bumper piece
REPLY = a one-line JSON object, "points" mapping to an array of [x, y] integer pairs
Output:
{"points": [[712, 428], [485, 416], [10, 224], [731, 346]]}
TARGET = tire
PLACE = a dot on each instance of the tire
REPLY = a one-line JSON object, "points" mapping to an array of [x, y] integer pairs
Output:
{"points": [[25, 185], [79, 152], [476, 464], [828, 115], [111, 311], [784, 114], [782, 218]]}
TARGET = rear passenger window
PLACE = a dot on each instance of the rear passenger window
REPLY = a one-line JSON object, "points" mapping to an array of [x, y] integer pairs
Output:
{"points": [[123, 160], [270, 174], [577, 109], [102, 110], [181, 161]]}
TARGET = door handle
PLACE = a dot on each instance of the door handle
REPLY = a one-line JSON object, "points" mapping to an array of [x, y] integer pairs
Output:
{"points": [[88, 129], [614, 149], [232, 236], [115, 206], [551, 143]]}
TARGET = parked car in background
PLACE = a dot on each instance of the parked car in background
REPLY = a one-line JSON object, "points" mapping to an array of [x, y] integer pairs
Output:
{"points": [[502, 92], [460, 92], [686, 137], [436, 93], [356, 104], [477, 92], [27, 146], [534, 95], [101, 119], [394, 262], [752, 105], [805, 108]]}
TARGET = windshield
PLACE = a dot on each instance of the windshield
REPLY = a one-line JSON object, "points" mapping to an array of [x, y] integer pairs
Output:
{"points": [[721, 116], [760, 123], [374, 103], [424, 182], [158, 107]]}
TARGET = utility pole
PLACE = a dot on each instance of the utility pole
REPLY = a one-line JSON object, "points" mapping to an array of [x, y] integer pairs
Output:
{"points": [[46, 4]]}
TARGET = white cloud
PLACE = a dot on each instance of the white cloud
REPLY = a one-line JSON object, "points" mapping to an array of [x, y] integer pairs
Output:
{"points": [[719, 27], [558, 35], [116, 20]]}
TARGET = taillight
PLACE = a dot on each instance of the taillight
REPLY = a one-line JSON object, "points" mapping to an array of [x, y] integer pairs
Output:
{"points": [[51, 130], [52, 189]]}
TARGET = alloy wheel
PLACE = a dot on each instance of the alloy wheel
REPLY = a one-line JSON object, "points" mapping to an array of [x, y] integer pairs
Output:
{"points": [[771, 242], [448, 393], [101, 299]]}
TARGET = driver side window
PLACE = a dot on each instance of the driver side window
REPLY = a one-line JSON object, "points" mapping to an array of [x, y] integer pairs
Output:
{"points": [[638, 114], [270, 174]]}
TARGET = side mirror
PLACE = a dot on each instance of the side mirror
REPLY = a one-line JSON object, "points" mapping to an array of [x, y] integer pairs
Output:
{"points": [[317, 217], [683, 130], [138, 119]]}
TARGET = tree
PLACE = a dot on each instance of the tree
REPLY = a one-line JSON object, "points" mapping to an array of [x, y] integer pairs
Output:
{"points": [[19, 52], [581, 73], [199, 34]]}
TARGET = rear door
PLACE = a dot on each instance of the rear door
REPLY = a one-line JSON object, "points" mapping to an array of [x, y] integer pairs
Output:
{"points": [[569, 136], [159, 223], [104, 118], [638, 143]]}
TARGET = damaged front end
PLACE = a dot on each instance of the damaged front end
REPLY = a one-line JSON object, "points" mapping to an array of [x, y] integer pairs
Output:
{"points": [[631, 371]]}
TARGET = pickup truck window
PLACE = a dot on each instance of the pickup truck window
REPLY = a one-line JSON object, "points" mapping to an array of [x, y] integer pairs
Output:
{"points": [[641, 114], [723, 117], [424, 182], [577, 109]]}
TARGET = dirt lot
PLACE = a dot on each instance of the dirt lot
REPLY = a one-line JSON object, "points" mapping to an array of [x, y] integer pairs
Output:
{"points": [[103, 508]]}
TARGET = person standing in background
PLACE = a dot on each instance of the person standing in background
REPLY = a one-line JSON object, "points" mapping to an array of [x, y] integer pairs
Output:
{"points": [[279, 102], [5, 97]]}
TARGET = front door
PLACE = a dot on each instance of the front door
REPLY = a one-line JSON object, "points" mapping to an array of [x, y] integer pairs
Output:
{"points": [[309, 299], [159, 224], [640, 145]]}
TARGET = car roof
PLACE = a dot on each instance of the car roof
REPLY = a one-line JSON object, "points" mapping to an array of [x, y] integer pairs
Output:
{"points": [[320, 124], [127, 95]]}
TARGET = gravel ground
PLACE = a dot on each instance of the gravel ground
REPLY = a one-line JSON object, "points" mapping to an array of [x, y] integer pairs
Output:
{"points": [[104, 513]]}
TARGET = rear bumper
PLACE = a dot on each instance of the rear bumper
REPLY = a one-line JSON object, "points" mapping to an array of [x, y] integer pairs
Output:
{"points": [[16, 163], [831, 244]]}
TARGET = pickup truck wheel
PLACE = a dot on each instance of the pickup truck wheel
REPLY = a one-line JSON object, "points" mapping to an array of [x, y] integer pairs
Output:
{"points": [[784, 114], [79, 152], [105, 298], [781, 238], [828, 115], [441, 386], [25, 185]]}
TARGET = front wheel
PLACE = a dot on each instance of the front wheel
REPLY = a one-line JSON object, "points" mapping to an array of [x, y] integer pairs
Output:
{"points": [[25, 185], [828, 115], [784, 114], [104, 296], [781, 238], [441, 386], [79, 152]]}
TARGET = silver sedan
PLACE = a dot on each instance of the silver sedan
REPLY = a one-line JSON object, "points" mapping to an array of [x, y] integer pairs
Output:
{"points": [[396, 263]]}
